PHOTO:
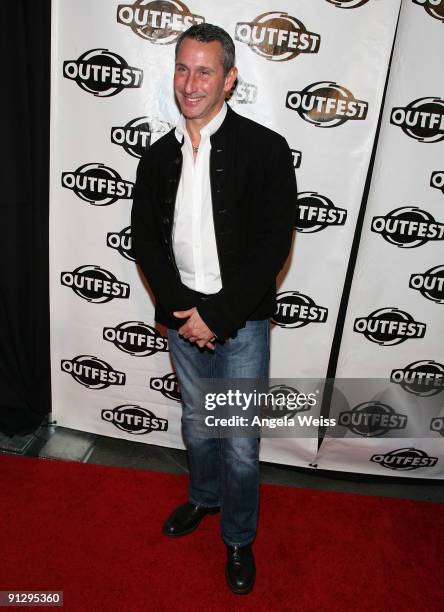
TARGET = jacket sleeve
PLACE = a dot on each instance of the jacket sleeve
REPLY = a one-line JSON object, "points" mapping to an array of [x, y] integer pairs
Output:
{"points": [[228, 310], [149, 242]]}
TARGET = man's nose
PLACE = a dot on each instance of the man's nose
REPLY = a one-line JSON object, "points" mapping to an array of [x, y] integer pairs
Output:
{"points": [[190, 83]]}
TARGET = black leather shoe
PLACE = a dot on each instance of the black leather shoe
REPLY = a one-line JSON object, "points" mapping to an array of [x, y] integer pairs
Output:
{"points": [[185, 519], [240, 570]]}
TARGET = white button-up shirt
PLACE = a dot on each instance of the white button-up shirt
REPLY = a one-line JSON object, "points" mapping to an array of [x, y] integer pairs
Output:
{"points": [[194, 240]]}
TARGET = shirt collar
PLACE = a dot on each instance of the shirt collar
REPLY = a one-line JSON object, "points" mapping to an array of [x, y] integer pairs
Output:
{"points": [[208, 130]]}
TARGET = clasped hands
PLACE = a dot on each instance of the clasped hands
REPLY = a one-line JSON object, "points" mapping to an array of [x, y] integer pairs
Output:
{"points": [[195, 329]]}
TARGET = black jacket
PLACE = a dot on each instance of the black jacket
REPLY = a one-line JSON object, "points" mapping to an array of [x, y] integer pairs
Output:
{"points": [[253, 190]]}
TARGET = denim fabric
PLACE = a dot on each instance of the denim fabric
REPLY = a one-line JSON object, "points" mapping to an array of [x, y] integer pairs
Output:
{"points": [[223, 471]]}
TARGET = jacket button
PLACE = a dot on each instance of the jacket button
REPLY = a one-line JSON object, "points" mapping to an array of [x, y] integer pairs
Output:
{"points": [[165, 220], [176, 161], [222, 211], [219, 150], [168, 200], [219, 169]]}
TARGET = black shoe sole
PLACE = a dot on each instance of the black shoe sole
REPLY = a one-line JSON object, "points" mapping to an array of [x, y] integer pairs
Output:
{"points": [[235, 589], [186, 532]]}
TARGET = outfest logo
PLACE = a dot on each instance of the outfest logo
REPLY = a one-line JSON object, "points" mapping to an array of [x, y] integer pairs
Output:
{"points": [[134, 419], [92, 372], [94, 284], [122, 242], [422, 119], [160, 21], [326, 104], [136, 338], [404, 459], [371, 419], [97, 184], [294, 309], [437, 180], [277, 36], [168, 385], [389, 326], [315, 212], [297, 158], [244, 92], [348, 4], [284, 402], [435, 8], [408, 227], [437, 425], [423, 378], [102, 73], [139, 134], [430, 284]]}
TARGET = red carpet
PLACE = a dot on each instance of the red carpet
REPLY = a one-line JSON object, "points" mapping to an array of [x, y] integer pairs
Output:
{"points": [[94, 533]]}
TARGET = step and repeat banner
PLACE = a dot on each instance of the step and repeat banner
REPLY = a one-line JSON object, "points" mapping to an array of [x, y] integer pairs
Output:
{"points": [[314, 71], [394, 329]]}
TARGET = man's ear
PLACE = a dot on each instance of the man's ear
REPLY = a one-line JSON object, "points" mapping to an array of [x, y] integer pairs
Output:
{"points": [[230, 79]]}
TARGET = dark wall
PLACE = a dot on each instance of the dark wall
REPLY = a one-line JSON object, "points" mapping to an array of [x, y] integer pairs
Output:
{"points": [[25, 34]]}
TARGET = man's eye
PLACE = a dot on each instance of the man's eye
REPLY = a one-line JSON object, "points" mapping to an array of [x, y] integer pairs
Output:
{"points": [[204, 72]]}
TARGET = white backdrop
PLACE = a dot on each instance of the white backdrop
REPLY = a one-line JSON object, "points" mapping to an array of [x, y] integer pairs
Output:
{"points": [[402, 252], [317, 78]]}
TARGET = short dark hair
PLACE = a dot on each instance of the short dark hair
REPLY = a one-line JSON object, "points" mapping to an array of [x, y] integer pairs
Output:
{"points": [[207, 32]]}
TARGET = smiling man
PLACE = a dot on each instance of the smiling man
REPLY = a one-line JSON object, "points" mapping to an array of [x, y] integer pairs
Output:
{"points": [[212, 223]]}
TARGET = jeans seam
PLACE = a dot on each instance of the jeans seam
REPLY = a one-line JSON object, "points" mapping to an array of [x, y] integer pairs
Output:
{"points": [[213, 371]]}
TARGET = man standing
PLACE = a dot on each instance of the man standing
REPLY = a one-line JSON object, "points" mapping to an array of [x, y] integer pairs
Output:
{"points": [[212, 224]]}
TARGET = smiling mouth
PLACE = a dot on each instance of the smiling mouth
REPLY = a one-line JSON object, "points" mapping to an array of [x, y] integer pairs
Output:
{"points": [[189, 99]]}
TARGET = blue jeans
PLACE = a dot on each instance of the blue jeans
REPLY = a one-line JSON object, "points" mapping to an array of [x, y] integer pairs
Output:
{"points": [[223, 471]]}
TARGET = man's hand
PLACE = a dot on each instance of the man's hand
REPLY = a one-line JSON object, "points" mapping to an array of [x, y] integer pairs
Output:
{"points": [[195, 329]]}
